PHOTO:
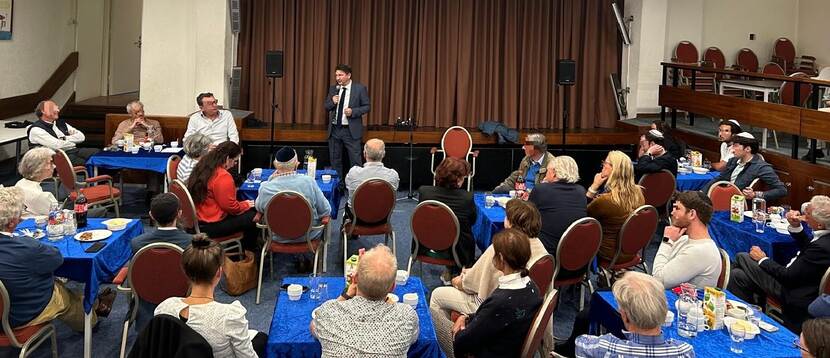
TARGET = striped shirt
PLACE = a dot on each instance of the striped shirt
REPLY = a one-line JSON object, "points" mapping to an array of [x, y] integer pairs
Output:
{"points": [[635, 346]]}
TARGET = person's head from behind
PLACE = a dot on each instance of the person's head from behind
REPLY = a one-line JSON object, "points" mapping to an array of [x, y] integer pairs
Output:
{"points": [[817, 212], [660, 126], [562, 169], [202, 261], [642, 301], [535, 145], [745, 146], [691, 207], [342, 74], [197, 145], [36, 164], [47, 110], [728, 129], [224, 156], [511, 249], [376, 272], [523, 216], [451, 173], [11, 207], [814, 341], [374, 150], [285, 160], [164, 209], [208, 103]]}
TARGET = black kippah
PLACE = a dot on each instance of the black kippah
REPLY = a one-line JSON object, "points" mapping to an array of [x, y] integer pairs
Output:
{"points": [[285, 154]]}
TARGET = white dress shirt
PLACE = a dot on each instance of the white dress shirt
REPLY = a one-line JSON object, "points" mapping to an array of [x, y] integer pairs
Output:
{"points": [[64, 141], [344, 120], [726, 152], [816, 235], [221, 129], [35, 200]]}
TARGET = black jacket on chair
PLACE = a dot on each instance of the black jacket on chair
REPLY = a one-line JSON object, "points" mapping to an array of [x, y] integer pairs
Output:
{"points": [[168, 336], [462, 205]]}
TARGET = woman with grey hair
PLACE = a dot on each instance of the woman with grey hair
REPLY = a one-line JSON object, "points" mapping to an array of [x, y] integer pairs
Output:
{"points": [[560, 200], [36, 166], [195, 147]]}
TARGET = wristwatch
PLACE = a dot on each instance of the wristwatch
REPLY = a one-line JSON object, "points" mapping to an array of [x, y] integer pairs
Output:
{"points": [[346, 296]]}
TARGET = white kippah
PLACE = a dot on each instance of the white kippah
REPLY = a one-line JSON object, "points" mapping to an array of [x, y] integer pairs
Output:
{"points": [[746, 135], [655, 133], [736, 122]]}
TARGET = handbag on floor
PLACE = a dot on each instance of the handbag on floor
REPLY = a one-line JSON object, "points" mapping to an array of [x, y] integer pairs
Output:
{"points": [[240, 275]]}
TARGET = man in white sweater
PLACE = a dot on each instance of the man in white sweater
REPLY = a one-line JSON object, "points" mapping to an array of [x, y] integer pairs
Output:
{"points": [[687, 253]]}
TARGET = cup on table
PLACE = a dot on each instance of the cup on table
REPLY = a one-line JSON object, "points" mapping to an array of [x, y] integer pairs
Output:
{"points": [[69, 225], [513, 194], [119, 143], [401, 277], [295, 291], [737, 333], [489, 201], [669, 319], [257, 174], [314, 287], [174, 144], [411, 299], [754, 314], [157, 147], [134, 150], [147, 145], [326, 178], [40, 222]]}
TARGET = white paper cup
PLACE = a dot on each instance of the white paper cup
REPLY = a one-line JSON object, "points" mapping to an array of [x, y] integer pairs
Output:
{"points": [[392, 298], [174, 144], [411, 299], [513, 194], [147, 145], [119, 142], [401, 277], [157, 147], [326, 178], [295, 291], [134, 150]]}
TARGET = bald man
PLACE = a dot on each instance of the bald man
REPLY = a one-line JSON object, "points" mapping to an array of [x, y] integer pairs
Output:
{"points": [[54, 133]]}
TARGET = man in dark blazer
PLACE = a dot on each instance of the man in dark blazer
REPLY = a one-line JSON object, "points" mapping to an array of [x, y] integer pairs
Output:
{"points": [[653, 156], [346, 103], [746, 166], [795, 284]]}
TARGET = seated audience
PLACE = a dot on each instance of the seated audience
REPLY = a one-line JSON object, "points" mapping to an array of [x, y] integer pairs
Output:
{"points": [[532, 167], [688, 253], [674, 146], [620, 199], [214, 194], [820, 307], [653, 157], [361, 322], [54, 133], [373, 152], [27, 269], [642, 307], [727, 130], [223, 325], [35, 167], [746, 166], [499, 326], [449, 177], [196, 146], [560, 200], [814, 341], [218, 124], [142, 129], [164, 210], [796, 284]]}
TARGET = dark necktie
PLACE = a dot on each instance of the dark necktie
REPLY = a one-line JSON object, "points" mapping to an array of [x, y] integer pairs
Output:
{"points": [[338, 119]]}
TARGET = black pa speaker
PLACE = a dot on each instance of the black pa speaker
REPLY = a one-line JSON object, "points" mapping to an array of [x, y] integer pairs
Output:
{"points": [[566, 72], [273, 63]]}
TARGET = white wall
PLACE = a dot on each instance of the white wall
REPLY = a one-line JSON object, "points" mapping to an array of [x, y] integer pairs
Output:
{"points": [[89, 80], [812, 32]]}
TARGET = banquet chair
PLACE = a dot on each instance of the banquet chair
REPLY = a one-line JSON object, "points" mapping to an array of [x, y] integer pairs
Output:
{"points": [[786, 93], [169, 336], [759, 185], [289, 216], [533, 340], [685, 52], [772, 68], [746, 60], [725, 269], [190, 221], [148, 265], [456, 143], [634, 235], [783, 53], [721, 195], [658, 187], [576, 249], [98, 190], [541, 273], [172, 167], [435, 227], [27, 338], [374, 202]]}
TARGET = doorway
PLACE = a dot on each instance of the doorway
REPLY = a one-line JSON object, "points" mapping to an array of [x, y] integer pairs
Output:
{"points": [[124, 50]]}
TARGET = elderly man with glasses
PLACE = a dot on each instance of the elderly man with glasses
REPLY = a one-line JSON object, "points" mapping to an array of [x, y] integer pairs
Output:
{"points": [[218, 124], [532, 168]]}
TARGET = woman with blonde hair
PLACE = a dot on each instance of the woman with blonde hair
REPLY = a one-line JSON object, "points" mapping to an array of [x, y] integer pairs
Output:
{"points": [[619, 198]]}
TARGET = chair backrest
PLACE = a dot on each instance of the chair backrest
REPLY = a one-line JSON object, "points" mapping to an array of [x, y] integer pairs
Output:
{"points": [[636, 231], [172, 167], [374, 201], [723, 278], [434, 225], [541, 273], [64, 168], [824, 287], [539, 325], [715, 56], [747, 60], [824, 74], [188, 218], [686, 52], [5, 305], [155, 273], [658, 187], [457, 142], [578, 246], [787, 91], [289, 215], [785, 50], [720, 193], [772, 68]]}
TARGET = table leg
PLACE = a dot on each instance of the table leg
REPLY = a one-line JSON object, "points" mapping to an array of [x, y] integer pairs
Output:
{"points": [[17, 154], [95, 171], [88, 335]]}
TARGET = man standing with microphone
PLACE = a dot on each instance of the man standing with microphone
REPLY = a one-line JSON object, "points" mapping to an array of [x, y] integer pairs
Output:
{"points": [[346, 103]]}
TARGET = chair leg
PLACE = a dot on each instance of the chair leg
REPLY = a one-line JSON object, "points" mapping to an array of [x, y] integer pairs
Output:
{"points": [[581, 297], [117, 211], [316, 259], [271, 265], [54, 340], [124, 333], [409, 266], [345, 238], [394, 244], [259, 284]]}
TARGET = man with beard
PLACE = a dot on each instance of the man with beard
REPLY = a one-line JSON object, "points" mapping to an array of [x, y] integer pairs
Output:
{"points": [[727, 130]]}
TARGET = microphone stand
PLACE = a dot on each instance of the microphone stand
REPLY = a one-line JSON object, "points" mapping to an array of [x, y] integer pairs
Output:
{"points": [[411, 158]]}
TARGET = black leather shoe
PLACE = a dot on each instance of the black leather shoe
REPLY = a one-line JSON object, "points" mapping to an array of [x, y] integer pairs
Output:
{"points": [[819, 154]]}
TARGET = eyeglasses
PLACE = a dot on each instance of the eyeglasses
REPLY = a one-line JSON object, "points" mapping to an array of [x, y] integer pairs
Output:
{"points": [[210, 102], [797, 344]]}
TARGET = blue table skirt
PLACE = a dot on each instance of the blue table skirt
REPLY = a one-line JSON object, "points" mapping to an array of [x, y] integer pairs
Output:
{"points": [[706, 344], [692, 181], [289, 335], [92, 268], [249, 190], [143, 160], [488, 221], [740, 237]]}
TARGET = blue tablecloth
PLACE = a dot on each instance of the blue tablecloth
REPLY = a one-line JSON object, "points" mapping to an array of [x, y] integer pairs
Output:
{"points": [[92, 268], [692, 181], [488, 221], [289, 335], [708, 343], [143, 160], [249, 190], [740, 237]]}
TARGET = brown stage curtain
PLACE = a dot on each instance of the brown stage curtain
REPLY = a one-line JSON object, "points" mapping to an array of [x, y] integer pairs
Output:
{"points": [[443, 62]]}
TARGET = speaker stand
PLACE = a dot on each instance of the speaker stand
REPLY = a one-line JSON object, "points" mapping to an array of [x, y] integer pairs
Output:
{"points": [[410, 195], [565, 106], [274, 107]]}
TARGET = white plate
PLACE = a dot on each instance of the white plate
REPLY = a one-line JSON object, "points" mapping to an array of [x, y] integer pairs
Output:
{"points": [[727, 321], [749, 214], [502, 201], [97, 235], [738, 304]]}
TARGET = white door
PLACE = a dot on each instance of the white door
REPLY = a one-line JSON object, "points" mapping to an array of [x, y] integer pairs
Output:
{"points": [[124, 46]]}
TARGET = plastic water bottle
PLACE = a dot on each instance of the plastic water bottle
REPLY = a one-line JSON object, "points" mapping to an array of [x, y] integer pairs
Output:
{"points": [[685, 326]]}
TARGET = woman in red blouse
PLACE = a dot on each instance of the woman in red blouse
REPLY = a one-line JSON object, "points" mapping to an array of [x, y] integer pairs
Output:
{"points": [[214, 193]]}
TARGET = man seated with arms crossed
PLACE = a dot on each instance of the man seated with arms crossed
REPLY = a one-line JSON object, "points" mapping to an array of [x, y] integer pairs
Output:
{"points": [[27, 269], [687, 253], [54, 133], [653, 157], [373, 151], [361, 322], [642, 307], [746, 166], [533, 166], [218, 124], [141, 128], [727, 130], [796, 283]]}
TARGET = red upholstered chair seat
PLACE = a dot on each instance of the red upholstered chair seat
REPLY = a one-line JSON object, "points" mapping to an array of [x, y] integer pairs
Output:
{"points": [[97, 193], [435, 260], [569, 281], [21, 333]]}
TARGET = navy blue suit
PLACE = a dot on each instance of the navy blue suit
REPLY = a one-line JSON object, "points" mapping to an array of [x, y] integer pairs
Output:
{"points": [[349, 135]]}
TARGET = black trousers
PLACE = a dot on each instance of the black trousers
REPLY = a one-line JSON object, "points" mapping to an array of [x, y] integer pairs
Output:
{"points": [[232, 224], [341, 137], [748, 281], [79, 156], [259, 342]]}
